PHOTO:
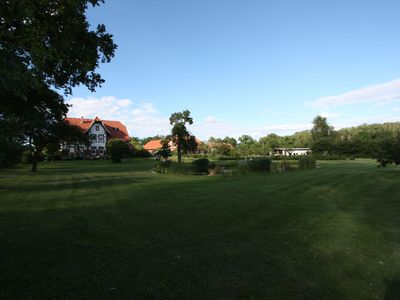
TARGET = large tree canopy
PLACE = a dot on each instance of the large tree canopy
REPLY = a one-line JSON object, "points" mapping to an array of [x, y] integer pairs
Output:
{"points": [[46, 45], [51, 41]]}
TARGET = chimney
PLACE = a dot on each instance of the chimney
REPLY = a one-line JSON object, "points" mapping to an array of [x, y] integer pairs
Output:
{"points": [[82, 119]]}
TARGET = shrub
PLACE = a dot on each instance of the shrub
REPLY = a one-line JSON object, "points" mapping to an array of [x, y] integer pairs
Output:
{"points": [[254, 165], [283, 157], [384, 162], [307, 162], [162, 167], [141, 153], [180, 168], [260, 164], [200, 166], [117, 149], [225, 157], [228, 164], [170, 167]]}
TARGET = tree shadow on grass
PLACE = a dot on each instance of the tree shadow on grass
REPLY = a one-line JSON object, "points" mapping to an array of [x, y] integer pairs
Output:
{"points": [[392, 288], [89, 183], [219, 238]]}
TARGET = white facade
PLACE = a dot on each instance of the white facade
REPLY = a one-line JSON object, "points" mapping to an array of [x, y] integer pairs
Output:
{"points": [[291, 151], [299, 151], [98, 139]]}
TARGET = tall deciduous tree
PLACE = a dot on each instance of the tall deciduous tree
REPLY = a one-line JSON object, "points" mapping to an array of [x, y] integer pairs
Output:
{"points": [[246, 145], [43, 123], [181, 136], [269, 142], [47, 45], [321, 128], [323, 136], [229, 140]]}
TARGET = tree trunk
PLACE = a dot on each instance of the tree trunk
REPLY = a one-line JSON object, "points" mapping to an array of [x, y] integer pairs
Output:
{"points": [[34, 163], [179, 153]]}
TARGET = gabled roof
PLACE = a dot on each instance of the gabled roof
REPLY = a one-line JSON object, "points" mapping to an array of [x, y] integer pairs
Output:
{"points": [[198, 142], [157, 144], [116, 129], [153, 145]]}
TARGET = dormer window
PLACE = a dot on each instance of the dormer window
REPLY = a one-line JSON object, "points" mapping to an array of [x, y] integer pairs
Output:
{"points": [[97, 127]]}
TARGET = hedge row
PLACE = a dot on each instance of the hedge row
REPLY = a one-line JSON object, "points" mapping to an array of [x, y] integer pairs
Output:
{"points": [[203, 166]]}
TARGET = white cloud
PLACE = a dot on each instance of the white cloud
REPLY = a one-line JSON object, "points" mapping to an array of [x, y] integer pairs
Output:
{"points": [[218, 128], [141, 118], [329, 115], [211, 119], [368, 120], [382, 93]]}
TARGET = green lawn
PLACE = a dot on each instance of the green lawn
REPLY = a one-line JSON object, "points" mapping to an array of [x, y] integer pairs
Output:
{"points": [[92, 229]]}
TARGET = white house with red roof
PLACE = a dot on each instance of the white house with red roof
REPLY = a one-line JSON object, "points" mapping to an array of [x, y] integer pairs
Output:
{"points": [[99, 132]]}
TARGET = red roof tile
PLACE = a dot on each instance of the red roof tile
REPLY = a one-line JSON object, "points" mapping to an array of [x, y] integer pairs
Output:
{"points": [[115, 128], [153, 145]]}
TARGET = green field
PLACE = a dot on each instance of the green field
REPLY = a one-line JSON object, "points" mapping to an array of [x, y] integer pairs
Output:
{"points": [[92, 229]]}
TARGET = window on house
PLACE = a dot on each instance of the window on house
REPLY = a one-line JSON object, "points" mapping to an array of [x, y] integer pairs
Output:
{"points": [[93, 138], [93, 150], [101, 138], [97, 127], [101, 150]]}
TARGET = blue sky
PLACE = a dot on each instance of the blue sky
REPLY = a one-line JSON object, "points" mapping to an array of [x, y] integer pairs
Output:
{"points": [[247, 67]]}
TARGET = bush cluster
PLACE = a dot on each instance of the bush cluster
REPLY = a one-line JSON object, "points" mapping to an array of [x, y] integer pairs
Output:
{"points": [[307, 162], [283, 157], [224, 157], [162, 167], [141, 153], [117, 149], [200, 166], [332, 157], [254, 165]]}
